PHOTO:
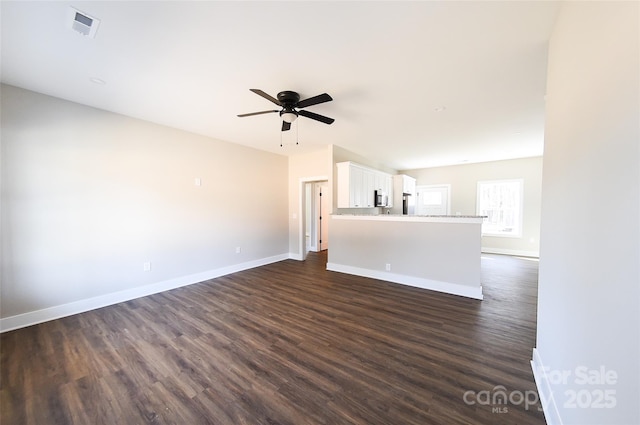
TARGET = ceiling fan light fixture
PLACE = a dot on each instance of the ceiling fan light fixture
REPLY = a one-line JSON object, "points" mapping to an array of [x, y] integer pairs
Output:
{"points": [[289, 116]]}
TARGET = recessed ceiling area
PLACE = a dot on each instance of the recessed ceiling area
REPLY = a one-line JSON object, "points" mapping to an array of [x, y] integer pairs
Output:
{"points": [[414, 84]]}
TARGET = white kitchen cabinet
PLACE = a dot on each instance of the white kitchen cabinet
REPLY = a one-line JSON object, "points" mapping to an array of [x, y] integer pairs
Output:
{"points": [[408, 184], [361, 187], [353, 181], [403, 184], [379, 181], [389, 188], [368, 188], [357, 183]]}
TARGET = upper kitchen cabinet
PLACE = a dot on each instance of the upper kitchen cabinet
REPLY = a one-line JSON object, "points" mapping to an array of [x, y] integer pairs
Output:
{"points": [[408, 184], [357, 184], [404, 190]]}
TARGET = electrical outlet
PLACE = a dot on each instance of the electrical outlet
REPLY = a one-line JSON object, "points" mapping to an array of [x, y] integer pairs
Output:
{"points": [[387, 267], [147, 266], [197, 181], [238, 250]]}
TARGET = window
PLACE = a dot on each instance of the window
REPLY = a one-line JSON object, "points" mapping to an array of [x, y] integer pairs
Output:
{"points": [[501, 202]]}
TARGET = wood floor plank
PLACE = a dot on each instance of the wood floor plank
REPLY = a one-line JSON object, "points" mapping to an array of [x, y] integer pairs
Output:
{"points": [[287, 343]]}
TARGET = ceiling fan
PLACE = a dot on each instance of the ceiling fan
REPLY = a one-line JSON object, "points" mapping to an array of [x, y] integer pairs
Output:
{"points": [[290, 103]]}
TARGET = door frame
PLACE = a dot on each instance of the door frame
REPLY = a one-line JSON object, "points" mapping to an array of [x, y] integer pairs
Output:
{"points": [[302, 202], [321, 214], [435, 186]]}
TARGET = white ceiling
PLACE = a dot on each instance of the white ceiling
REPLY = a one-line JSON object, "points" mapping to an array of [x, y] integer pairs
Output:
{"points": [[389, 66]]}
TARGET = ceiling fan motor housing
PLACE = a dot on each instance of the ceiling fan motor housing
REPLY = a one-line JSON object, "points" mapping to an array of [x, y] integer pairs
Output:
{"points": [[288, 98]]}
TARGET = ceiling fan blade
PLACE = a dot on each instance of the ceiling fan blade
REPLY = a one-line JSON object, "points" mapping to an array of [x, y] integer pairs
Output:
{"points": [[286, 126], [258, 113], [321, 98], [266, 96], [316, 117]]}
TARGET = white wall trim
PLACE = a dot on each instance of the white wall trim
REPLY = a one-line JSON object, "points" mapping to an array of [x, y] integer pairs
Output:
{"points": [[545, 394], [434, 285], [516, 252], [81, 306]]}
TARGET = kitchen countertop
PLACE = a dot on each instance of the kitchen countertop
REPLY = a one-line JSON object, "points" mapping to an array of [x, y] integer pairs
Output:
{"points": [[461, 219]]}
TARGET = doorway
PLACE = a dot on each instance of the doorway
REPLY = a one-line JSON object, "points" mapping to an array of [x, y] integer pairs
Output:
{"points": [[433, 200], [316, 215]]}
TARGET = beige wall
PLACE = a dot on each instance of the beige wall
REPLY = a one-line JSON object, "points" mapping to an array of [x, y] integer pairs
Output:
{"points": [[464, 179], [303, 167], [589, 284], [88, 196]]}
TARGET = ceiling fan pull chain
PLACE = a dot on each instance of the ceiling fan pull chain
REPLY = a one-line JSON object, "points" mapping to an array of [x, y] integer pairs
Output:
{"points": [[296, 132]]}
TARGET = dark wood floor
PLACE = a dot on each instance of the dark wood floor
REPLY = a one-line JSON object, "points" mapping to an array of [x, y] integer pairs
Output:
{"points": [[288, 343]]}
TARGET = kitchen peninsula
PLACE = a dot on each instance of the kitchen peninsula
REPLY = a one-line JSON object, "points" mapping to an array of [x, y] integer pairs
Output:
{"points": [[440, 253]]}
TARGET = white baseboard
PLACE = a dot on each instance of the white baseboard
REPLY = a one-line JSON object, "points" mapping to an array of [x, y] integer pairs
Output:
{"points": [[516, 252], [434, 285], [545, 394], [56, 312], [295, 256]]}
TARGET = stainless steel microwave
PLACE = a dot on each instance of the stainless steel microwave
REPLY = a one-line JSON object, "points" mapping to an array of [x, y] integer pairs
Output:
{"points": [[381, 198]]}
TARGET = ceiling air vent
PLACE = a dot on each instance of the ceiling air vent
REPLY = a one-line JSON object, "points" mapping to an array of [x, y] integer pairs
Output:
{"points": [[83, 23]]}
